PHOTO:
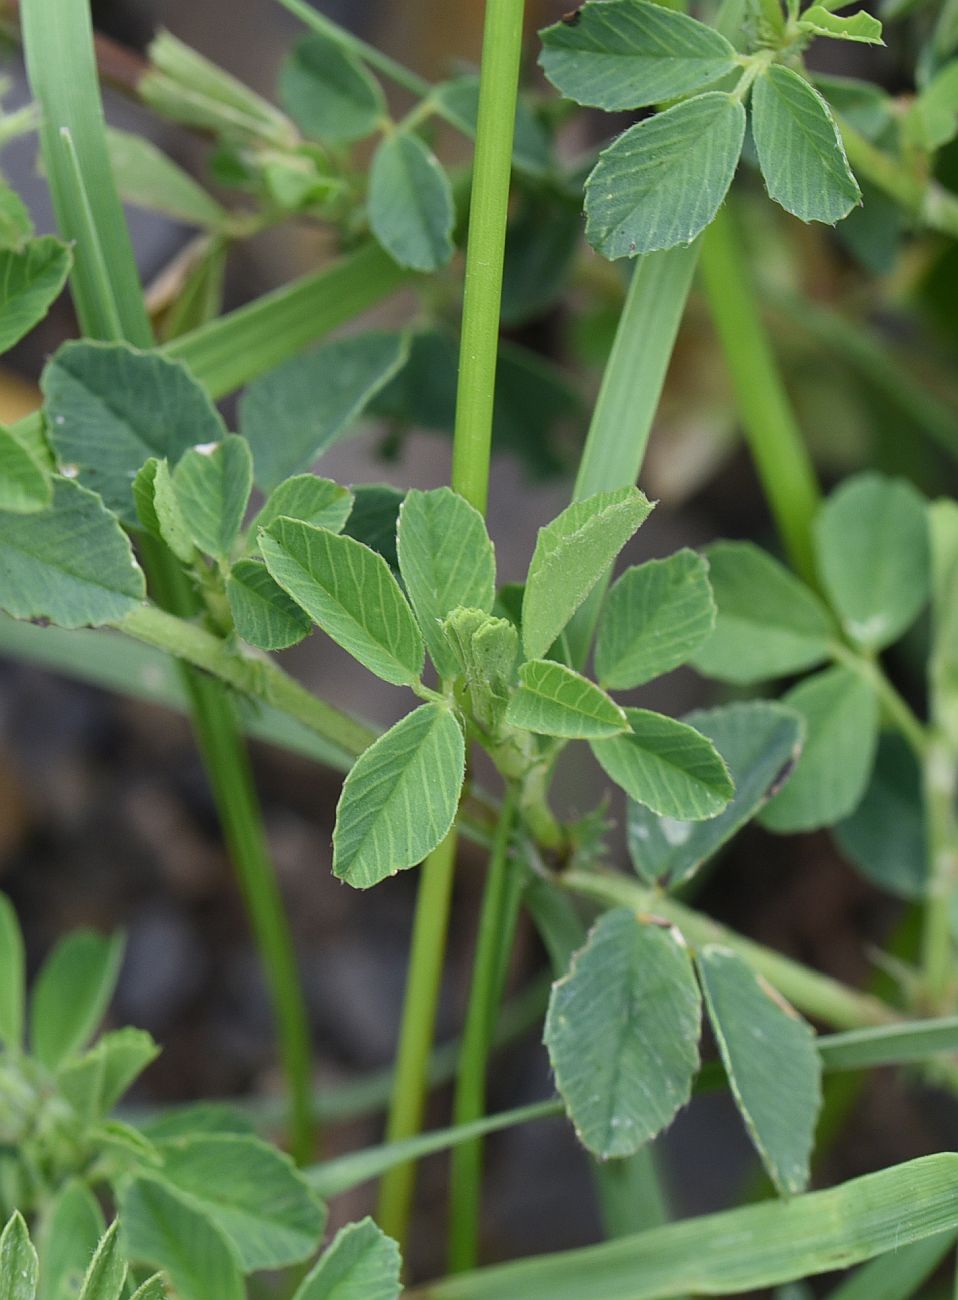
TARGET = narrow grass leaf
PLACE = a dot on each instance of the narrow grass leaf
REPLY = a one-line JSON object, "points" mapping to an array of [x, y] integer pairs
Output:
{"points": [[571, 555], [799, 148], [110, 408], [898, 1275], [25, 484], [31, 279], [350, 592], [772, 1064], [630, 53], [760, 741], [895, 1044], [885, 836], [160, 1229], [361, 1263], [18, 1261], [71, 564], [860, 26], [622, 1031], [660, 183], [212, 486], [71, 994], [841, 719], [654, 619], [411, 208], [666, 765], [556, 701], [296, 411], [400, 798], [12, 978], [316, 501], [147, 178], [871, 540], [328, 93], [107, 1272], [67, 1238], [263, 614], [768, 624], [446, 560], [251, 1192]]}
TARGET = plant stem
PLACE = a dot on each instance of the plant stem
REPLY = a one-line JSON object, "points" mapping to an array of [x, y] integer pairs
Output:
{"points": [[897, 710], [774, 438], [926, 200], [421, 998], [812, 993], [485, 250], [629, 395], [497, 922]]}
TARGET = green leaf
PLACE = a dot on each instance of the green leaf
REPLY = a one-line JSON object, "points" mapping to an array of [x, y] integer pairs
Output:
{"points": [[299, 409], [250, 1191], [446, 560], [400, 798], [666, 765], [18, 1261], [374, 519], [71, 564], [871, 540], [328, 93], [759, 741], [161, 1230], [860, 26], [943, 659], [932, 120], [654, 619], [107, 1272], [68, 1237], [411, 208], [31, 279], [555, 701], [212, 484], [841, 719], [885, 836], [771, 1061], [71, 994], [768, 624], [263, 614], [110, 408], [661, 182], [350, 592], [12, 967], [484, 650], [158, 509], [25, 484], [362, 1263], [622, 1031], [316, 501], [95, 1082], [571, 555], [203, 1117], [16, 225], [799, 147], [629, 54], [740, 1250], [154, 1288], [147, 178]]}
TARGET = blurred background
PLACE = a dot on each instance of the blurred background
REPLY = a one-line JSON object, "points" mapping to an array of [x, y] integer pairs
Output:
{"points": [[105, 817]]}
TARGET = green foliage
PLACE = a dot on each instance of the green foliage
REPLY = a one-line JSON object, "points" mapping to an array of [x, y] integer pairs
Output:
{"points": [[25, 483], [666, 765], [571, 555], [411, 208], [630, 53], [374, 518], [107, 1272], [163, 1231], [361, 1263], [262, 612], [18, 1261], [622, 1032], [68, 1237], [147, 178], [818, 20], [772, 1064], [316, 501], [212, 485], [400, 798], [12, 976], [31, 279], [759, 741], [95, 1082], [328, 93], [485, 649], [71, 994], [159, 511], [799, 148], [654, 619], [556, 701], [661, 182]]}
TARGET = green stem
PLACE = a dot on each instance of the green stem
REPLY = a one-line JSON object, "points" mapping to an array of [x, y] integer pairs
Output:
{"points": [[407, 1105], [497, 921], [926, 200], [629, 395], [812, 993], [485, 250], [938, 944], [775, 441], [897, 710]]}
